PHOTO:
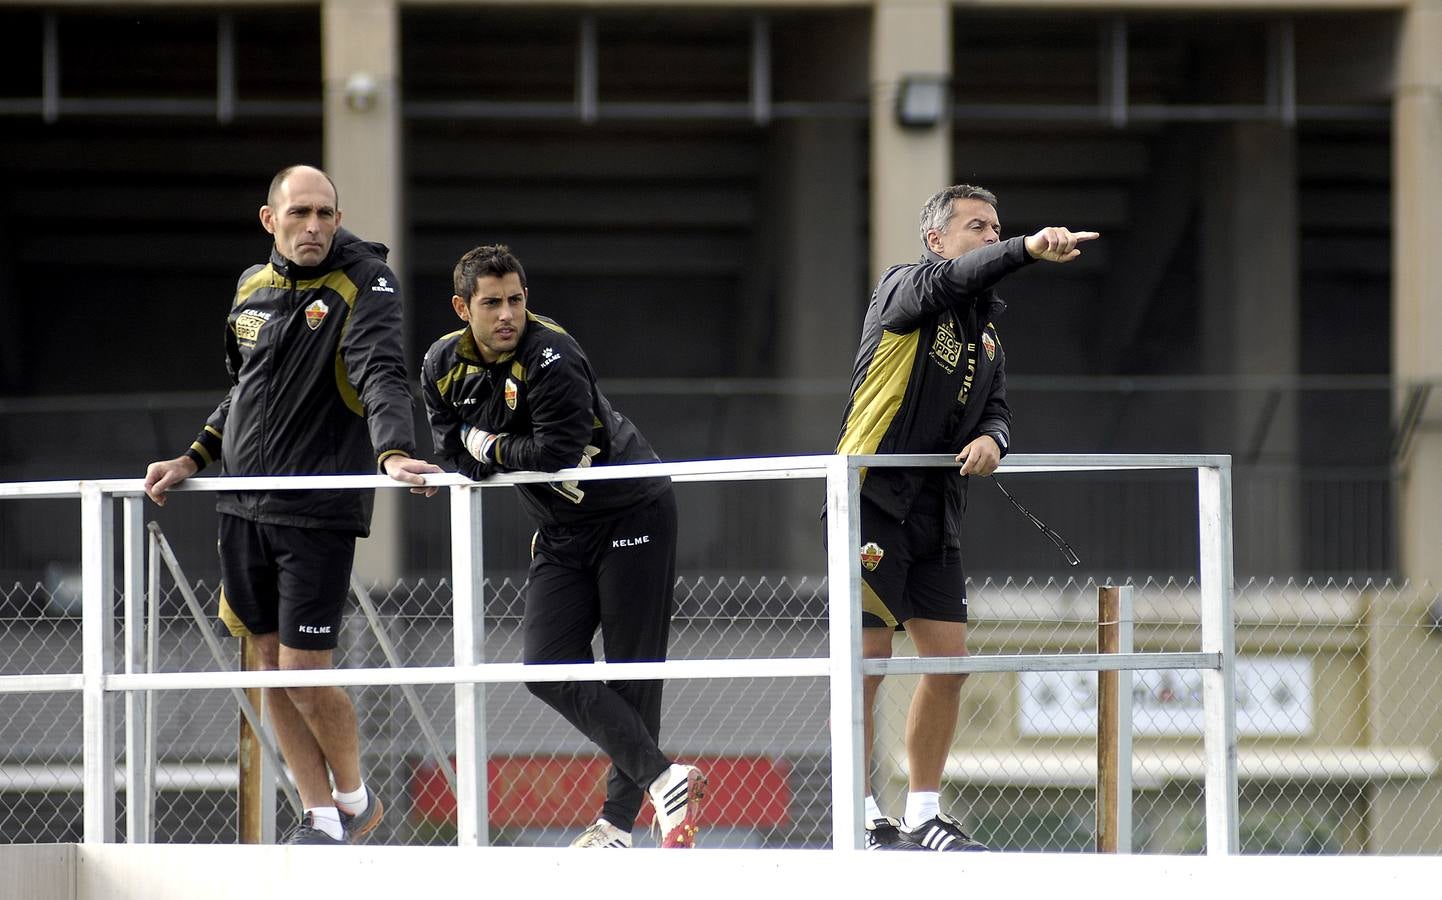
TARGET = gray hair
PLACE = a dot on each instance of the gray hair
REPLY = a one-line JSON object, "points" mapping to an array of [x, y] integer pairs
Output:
{"points": [[937, 212]]}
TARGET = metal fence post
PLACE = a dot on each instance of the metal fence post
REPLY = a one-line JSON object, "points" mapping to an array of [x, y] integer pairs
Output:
{"points": [[138, 766], [97, 560], [1126, 644], [1214, 518], [468, 609], [843, 532]]}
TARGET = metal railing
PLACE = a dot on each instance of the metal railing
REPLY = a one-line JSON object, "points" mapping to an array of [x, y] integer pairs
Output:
{"points": [[843, 667]]}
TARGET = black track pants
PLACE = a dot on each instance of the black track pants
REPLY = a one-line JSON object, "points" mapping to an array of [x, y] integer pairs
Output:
{"points": [[620, 576]]}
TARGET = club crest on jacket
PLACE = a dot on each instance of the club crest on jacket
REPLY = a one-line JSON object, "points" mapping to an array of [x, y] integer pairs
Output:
{"points": [[315, 314]]}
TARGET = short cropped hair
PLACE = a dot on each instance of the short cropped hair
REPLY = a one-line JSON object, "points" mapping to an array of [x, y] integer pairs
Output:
{"points": [[937, 212], [285, 173], [479, 262]]}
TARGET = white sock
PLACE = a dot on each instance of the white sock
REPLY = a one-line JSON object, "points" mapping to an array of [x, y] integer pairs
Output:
{"points": [[353, 803], [327, 819], [873, 812], [922, 805]]}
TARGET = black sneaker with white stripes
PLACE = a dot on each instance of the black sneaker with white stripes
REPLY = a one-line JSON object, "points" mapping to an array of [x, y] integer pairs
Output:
{"points": [[886, 833], [943, 833]]}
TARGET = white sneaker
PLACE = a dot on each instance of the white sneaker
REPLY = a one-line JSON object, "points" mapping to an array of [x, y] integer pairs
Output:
{"points": [[603, 835], [677, 794]]}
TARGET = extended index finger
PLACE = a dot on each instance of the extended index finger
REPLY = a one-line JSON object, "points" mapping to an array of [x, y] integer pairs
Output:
{"points": [[1086, 235]]}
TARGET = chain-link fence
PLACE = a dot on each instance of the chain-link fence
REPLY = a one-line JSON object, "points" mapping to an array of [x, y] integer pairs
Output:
{"points": [[1335, 682]]}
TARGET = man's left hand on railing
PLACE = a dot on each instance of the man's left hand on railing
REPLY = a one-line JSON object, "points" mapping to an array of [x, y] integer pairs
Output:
{"points": [[980, 457]]}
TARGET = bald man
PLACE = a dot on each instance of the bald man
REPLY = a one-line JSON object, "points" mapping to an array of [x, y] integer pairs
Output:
{"points": [[318, 387]]}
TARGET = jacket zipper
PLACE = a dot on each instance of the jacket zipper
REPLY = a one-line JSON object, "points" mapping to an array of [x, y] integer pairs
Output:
{"points": [[274, 367]]}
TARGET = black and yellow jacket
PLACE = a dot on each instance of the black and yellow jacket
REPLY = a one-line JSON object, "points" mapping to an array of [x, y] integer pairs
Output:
{"points": [[318, 385], [930, 375], [543, 401]]}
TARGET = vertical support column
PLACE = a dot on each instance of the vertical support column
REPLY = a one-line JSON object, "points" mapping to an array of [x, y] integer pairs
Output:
{"points": [[1404, 657], [468, 608], [818, 315], [1219, 713], [907, 165], [843, 572], [1251, 314], [138, 772], [362, 144], [97, 558], [1417, 279]]}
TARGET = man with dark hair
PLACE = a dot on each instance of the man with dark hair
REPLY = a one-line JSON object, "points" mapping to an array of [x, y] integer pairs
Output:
{"points": [[513, 391], [318, 387], [930, 377]]}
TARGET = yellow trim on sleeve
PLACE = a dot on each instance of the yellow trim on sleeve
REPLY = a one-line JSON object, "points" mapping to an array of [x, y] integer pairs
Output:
{"points": [[380, 460], [199, 448], [879, 396], [457, 372], [265, 277], [340, 282], [544, 322]]}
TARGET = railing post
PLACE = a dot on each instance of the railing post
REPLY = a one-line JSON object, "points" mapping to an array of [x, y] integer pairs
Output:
{"points": [[843, 572], [1125, 644], [1108, 719], [468, 609], [138, 771], [97, 560], [1214, 518], [152, 657], [256, 792], [1114, 723]]}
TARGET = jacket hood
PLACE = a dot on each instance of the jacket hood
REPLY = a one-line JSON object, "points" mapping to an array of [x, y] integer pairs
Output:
{"points": [[346, 249]]}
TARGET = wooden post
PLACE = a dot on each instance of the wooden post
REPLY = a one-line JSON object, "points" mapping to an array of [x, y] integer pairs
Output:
{"points": [[1108, 719], [251, 793]]}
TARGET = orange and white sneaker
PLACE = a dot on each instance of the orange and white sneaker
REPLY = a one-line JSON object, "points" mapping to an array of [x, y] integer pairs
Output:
{"points": [[357, 827], [676, 795]]}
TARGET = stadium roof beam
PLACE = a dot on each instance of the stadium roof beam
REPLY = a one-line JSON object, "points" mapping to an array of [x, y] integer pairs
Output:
{"points": [[760, 107]]}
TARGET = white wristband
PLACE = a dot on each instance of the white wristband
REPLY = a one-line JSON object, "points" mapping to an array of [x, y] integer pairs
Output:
{"points": [[479, 443]]}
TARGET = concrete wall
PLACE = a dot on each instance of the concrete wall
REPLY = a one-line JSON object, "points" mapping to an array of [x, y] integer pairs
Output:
{"points": [[120, 872], [37, 872]]}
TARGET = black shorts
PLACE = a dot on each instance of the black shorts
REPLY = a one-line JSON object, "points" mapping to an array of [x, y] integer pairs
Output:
{"points": [[287, 579], [907, 572]]}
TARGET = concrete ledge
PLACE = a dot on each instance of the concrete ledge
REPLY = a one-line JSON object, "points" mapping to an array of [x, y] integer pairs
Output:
{"points": [[187, 872], [37, 871]]}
